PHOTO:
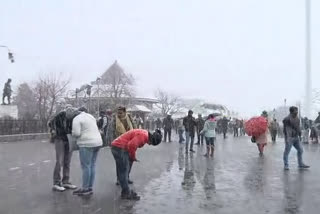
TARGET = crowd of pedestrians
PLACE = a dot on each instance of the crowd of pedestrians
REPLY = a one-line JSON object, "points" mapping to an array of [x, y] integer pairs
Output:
{"points": [[75, 129]]}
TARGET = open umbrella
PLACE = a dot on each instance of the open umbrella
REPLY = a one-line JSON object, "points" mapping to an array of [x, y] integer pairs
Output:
{"points": [[256, 126]]}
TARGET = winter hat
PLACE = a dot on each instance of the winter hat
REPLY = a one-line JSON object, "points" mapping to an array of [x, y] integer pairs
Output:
{"points": [[155, 138], [71, 113]]}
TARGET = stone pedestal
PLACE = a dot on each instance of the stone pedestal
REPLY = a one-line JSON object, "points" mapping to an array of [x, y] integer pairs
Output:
{"points": [[9, 110]]}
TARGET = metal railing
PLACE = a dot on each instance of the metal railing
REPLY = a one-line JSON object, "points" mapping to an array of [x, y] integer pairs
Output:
{"points": [[11, 127]]}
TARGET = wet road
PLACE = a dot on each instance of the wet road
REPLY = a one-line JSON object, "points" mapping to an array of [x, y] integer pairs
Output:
{"points": [[235, 180]]}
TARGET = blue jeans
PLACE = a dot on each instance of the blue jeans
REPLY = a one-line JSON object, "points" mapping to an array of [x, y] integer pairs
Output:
{"points": [[189, 138], [123, 167], [88, 158], [181, 139], [293, 141]]}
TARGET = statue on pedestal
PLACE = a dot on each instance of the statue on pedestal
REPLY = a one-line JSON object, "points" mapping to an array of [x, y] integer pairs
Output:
{"points": [[7, 92]]}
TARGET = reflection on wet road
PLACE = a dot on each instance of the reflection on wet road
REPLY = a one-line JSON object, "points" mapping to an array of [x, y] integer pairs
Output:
{"points": [[235, 180]]}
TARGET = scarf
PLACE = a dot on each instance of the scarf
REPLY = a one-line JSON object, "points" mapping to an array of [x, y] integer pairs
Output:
{"points": [[120, 128]]}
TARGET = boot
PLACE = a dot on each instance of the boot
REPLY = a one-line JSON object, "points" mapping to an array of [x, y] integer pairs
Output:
{"points": [[212, 150], [208, 152]]}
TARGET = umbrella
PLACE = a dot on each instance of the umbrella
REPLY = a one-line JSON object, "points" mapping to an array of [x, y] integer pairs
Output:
{"points": [[256, 126]]}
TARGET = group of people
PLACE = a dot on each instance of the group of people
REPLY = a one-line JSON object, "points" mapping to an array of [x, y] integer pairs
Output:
{"points": [[292, 136], [76, 126], [119, 131]]}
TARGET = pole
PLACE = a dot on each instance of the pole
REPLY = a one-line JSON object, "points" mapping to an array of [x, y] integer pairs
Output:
{"points": [[98, 82], [308, 61]]}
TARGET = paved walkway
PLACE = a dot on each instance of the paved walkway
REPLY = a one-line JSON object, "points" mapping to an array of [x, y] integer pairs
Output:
{"points": [[235, 180]]}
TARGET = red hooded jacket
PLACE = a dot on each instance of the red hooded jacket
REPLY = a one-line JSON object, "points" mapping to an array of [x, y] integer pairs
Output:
{"points": [[131, 141]]}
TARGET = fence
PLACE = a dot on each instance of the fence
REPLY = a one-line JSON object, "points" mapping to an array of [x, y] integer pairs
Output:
{"points": [[10, 127]]}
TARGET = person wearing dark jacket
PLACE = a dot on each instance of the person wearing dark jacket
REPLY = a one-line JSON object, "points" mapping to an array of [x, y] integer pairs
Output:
{"points": [[60, 126], [158, 124], [190, 123], [200, 125], [273, 127], [167, 127], [292, 134], [224, 126]]}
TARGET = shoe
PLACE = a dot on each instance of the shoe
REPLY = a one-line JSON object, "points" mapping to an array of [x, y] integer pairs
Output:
{"points": [[69, 186], [130, 196], [191, 150], [117, 183], [286, 167], [130, 182], [206, 155], [83, 192], [58, 188], [304, 167]]}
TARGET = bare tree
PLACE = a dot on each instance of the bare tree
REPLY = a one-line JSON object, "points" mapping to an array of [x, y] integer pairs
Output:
{"points": [[49, 88], [26, 102], [116, 84], [168, 103]]}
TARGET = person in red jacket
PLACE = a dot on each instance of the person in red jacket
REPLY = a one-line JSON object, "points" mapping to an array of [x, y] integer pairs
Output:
{"points": [[124, 150]]}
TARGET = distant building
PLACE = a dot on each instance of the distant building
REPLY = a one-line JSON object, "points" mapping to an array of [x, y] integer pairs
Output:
{"points": [[113, 88]]}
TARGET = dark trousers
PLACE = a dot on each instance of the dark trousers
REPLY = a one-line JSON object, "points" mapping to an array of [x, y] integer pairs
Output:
{"points": [[166, 133], [181, 139], [273, 135], [121, 158], [200, 138], [224, 133], [235, 132], [63, 160]]}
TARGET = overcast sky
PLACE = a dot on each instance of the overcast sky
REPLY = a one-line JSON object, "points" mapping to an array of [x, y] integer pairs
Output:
{"points": [[246, 54]]}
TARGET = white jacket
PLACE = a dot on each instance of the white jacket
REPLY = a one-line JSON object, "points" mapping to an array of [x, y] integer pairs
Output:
{"points": [[85, 130]]}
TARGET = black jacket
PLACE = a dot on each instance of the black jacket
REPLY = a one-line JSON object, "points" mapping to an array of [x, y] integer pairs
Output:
{"points": [[60, 126]]}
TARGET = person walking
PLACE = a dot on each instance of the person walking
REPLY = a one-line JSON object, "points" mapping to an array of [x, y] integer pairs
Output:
{"points": [[190, 124], [120, 123], [273, 127], [224, 126], [180, 131], [124, 151], [209, 131], [305, 130], [88, 138], [158, 124], [167, 127], [59, 127], [262, 140], [200, 125], [292, 134]]}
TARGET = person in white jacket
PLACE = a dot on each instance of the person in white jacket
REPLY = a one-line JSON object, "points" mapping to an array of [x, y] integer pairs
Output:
{"points": [[209, 132], [86, 132]]}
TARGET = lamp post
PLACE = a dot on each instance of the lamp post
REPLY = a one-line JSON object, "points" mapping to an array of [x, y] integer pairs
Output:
{"points": [[10, 54], [308, 86], [98, 83]]}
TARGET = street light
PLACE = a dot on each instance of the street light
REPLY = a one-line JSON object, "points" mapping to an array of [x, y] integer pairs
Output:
{"points": [[10, 54], [308, 82], [98, 83]]}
